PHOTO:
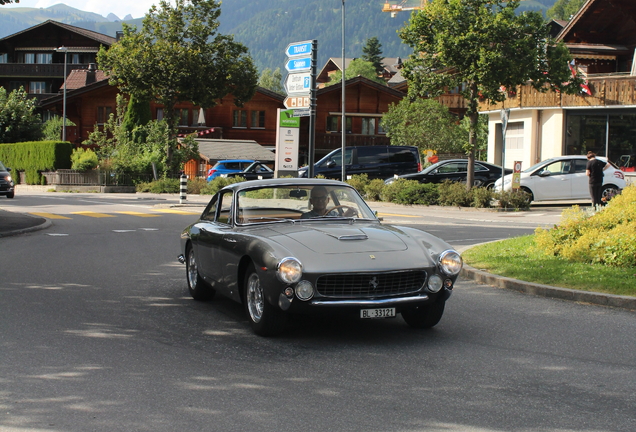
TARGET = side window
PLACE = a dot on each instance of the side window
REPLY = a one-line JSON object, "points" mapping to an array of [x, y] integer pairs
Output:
{"points": [[401, 155], [480, 167], [225, 209], [580, 165], [556, 168], [209, 214], [370, 155]]}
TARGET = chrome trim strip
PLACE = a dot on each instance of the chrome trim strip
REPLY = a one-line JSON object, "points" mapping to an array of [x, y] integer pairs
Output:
{"points": [[379, 302]]}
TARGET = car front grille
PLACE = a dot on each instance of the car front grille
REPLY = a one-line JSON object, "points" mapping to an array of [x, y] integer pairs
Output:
{"points": [[368, 285]]}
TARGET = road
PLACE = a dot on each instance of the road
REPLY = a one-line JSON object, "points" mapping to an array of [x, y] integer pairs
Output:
{"points": [[99, 334]]}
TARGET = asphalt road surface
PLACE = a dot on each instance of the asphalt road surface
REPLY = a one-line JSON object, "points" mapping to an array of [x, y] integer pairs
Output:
{"points": [[98, 333]]}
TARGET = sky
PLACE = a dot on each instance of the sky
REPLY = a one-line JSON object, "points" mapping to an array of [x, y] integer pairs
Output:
{"points": [[121, 8]]}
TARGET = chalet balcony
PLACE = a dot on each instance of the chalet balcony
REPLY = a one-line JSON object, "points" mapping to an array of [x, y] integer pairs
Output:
{"points": [[616, 89], [35, 70]]}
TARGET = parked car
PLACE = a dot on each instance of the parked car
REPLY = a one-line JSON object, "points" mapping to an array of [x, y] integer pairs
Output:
{"points": [[7, 187], [562, 178], [456, 170], [256, 244], [227, 167], [255, 171], [375, 161]]}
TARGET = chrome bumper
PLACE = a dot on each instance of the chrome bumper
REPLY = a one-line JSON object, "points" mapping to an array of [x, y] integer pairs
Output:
{"points": [[379, 302]]}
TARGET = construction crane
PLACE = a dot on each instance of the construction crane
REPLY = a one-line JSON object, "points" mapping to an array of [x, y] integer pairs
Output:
{"points": [[395, 8]]}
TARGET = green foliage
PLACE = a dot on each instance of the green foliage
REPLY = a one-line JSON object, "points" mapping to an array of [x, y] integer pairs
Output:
{"points": [[403, 191], [357, 67], [513, 199], [137, 114], [163, 185], [83, 159], [272, 80], [483, 44], [454, 194], [195, 185], [481, 197], [52, 129], [359, 182], [424, 123], [373, 190], [219, 183], [372, 53], [564, 9], [18, 119], [34, 157], [178, 55], [605, 237]]}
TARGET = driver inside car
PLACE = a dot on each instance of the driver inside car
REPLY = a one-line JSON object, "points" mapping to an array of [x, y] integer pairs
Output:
{"points": [[319, 199]]}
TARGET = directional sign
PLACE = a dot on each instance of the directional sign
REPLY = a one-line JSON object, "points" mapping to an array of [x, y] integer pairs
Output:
{"points": [[298, 83], [297, 102], [301, 113], [296, 49], [298, 64]]}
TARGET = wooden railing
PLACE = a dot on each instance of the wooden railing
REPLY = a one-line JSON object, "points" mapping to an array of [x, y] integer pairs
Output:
{"points": [[607, 90], [54, 70]]}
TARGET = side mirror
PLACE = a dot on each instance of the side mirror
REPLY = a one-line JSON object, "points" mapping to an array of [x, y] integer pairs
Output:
{"points": [[331, 164], [545, 174]]}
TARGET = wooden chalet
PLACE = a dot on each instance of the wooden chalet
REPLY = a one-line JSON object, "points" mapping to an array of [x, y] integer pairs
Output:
{"points": [[602, 40]]}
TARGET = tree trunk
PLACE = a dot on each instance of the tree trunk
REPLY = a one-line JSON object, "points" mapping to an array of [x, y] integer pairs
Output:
{"points": [[473, 115]]}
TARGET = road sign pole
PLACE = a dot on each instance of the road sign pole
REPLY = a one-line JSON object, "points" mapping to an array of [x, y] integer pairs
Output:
{"points": [[312, 110]]}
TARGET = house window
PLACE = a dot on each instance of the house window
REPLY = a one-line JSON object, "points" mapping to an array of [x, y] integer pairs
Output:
{"points": [[381, 130], [76, 59], [514, 136], [44, 58], [349, 123], [37, 87], [29, 58], [159, 113], [17, 85], [258, 119], [239, 118], [103, 113], [332, 124], [368, 126], [4, 58], [182, 115]]}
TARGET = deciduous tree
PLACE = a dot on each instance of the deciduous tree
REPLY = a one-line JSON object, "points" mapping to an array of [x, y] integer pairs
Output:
{"points": [[272, 80], [178, 56], [564, 9], [480, 46], [18, 120], [357, 67]]}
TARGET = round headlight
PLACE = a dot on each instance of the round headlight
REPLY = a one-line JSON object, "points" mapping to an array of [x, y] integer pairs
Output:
{"points": [[304, 290], [289, 270], [434, 283], [450, 262]]}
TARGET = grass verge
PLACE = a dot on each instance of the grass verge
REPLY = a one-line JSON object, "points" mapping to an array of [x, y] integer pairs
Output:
{"points": [[518, 258]]}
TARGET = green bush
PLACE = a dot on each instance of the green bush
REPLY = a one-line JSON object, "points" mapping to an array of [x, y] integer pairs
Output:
{"points": [[403, 191], [83, 159], [359, 182], [35, 157], [604, 237], [219, 183], [454, 194], [481, 197], [513, 199], [195, 185], [373, 190], [164, 185]]}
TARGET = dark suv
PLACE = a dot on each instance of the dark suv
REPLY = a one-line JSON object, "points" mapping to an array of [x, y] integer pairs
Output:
{"points": [[6, 182], [378, 162]]}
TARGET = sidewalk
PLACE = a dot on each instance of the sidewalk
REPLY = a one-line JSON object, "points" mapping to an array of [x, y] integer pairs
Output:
{"points": [[12, 223]]}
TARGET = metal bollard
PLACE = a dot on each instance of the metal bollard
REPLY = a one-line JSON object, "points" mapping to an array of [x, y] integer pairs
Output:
{"points": [[183, 188]]}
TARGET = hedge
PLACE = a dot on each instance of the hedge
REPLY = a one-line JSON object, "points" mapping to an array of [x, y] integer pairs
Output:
{"points": [[35, 157]]}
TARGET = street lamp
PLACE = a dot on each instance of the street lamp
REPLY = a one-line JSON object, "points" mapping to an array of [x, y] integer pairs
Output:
{"points": [[65, 51], [343, 121]]}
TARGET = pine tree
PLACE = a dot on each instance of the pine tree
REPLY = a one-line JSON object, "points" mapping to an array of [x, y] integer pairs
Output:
{"points": [[372, 52]]}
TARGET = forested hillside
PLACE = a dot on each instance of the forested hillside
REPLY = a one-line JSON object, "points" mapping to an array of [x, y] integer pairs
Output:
{"points": [[267, 26]]}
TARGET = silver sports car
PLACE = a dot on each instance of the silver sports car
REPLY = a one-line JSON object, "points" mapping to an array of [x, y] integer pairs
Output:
{"points": [[296, 246]]}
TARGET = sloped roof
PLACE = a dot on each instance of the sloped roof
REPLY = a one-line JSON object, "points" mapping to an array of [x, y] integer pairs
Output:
{"points": [[98, 37], [77, 78], [219, 149], [602, 22], [364, 81]]}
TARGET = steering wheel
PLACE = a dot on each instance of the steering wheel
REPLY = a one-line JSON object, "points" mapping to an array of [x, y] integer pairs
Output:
{"points": [[353, 212]]}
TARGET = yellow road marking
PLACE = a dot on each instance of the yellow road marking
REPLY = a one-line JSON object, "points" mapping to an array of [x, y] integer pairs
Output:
{"points": [[93, 214], [50, 215], [176, 211], [399, 215], [138, 214]]}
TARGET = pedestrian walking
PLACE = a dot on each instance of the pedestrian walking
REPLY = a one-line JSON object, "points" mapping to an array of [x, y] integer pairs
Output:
{"points": [[594, 170]]}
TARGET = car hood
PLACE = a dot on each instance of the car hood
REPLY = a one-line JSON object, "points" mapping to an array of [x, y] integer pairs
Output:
{"points": [[339, 238]]}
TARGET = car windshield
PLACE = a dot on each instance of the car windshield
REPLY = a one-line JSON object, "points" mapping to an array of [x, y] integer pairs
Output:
{"points": [[296, 203]]}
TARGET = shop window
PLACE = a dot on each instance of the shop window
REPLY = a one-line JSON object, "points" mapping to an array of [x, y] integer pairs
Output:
{"points": [[257, 119], [239, 119]]}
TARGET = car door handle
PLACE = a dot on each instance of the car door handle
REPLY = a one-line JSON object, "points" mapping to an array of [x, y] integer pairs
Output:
{"points": [[229, 240]]}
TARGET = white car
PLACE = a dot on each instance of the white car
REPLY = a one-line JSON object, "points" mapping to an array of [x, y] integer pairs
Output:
{"points": [[563, 178]]}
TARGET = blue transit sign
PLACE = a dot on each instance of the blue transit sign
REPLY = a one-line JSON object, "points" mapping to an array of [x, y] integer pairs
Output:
{"points": [[298, 64], [296, 49]]}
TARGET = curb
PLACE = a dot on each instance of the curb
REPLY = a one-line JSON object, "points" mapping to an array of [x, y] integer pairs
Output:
{"points": [[611, 300], [47, 223]]}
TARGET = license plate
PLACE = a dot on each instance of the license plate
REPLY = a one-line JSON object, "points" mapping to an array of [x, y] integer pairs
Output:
{"points": [[377, 313]]}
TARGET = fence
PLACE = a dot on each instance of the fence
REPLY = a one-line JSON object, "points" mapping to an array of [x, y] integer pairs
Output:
{"points": [[94, 178]]}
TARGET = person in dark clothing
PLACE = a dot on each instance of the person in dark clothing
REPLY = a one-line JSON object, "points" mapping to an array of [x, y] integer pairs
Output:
{"points": [[594, 170]]}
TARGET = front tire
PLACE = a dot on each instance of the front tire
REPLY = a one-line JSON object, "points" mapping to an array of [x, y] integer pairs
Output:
{"points": [[10, 194], [199, 288], [423, 317], [529, 192], [609, 191], [265, 319]]}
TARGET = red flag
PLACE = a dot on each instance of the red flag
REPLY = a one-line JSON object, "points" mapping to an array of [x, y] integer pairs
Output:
{"points": [[584, 86]]}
